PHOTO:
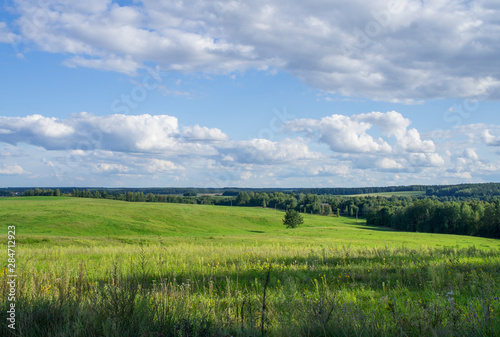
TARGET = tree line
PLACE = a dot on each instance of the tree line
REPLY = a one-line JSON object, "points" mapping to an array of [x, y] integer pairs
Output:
{"points": [[303, 203], [461, 192], [476, 218], [485, 191], [42, 192]]}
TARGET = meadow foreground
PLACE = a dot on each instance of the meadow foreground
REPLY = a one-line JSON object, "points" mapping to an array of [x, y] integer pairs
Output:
{"points": [[109, 268]]}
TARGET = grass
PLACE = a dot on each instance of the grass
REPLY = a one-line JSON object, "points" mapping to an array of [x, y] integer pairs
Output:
{"points": [[108, 268], [90, 222]]}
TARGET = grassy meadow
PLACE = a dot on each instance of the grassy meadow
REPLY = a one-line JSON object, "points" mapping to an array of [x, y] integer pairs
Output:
{"points": [[92, 267]]}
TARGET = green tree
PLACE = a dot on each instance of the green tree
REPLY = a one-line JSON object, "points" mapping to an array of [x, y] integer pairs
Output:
{"points": [[242, 199], [327, 210], [292, 219]]}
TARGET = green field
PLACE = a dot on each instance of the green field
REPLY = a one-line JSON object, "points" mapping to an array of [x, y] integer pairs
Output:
{"points": [[93, 267]]}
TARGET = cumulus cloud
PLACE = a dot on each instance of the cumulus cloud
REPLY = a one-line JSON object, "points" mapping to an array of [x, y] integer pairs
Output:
{"points": [[85, 135], [392, 123], [197, 132], [350, 136], [341, 133], [132, 133], [367, 149], [35, 129], [401, 51], [142, 133]]}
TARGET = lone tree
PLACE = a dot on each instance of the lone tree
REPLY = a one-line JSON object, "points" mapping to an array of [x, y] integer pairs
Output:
{"points": [[292, 219]]}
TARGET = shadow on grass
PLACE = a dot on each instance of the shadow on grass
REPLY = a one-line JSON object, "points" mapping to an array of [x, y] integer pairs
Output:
{"points": [[375, 228]]}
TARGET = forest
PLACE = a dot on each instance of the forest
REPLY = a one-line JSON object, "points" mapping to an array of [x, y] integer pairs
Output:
{"points": [[476, 218]]}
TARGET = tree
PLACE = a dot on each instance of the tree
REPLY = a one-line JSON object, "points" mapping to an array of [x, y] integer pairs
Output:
{"points": [[242, 199], [327, 210], [292, 219]]}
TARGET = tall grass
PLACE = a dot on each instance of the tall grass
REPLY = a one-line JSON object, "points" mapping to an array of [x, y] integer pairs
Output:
{"points": [[184, 289]]}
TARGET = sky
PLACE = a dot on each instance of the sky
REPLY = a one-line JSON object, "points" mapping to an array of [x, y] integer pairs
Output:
{"points": [[232, 93]]}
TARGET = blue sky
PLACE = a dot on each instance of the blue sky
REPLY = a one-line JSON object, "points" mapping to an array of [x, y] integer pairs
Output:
{"points": [[255, 94]]}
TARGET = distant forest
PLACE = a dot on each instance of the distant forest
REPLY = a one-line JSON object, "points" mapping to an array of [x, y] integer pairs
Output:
{"points": [[468, 209], [485, 191]]}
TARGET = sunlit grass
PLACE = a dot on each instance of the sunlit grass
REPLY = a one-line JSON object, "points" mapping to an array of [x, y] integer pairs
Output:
{"points": [[331, 277]]}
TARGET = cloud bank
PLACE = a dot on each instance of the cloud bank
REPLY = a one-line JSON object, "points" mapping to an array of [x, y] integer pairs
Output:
{"points": [[363, 149], [400, 51]]}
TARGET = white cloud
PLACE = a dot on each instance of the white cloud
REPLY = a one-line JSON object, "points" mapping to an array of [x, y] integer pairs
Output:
{"points": [[341, 133], [197, 132], [142, 133], [489, 139], [110, 168], [159, 165], [415, 50], [36, 126], [11, 169], [35, 129], [389, 164], [461, 175], [101, 150], [134, 133], [470, 154], [263, 151], [111, 63], [350, 136], [425, 159], [392, 123]]}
